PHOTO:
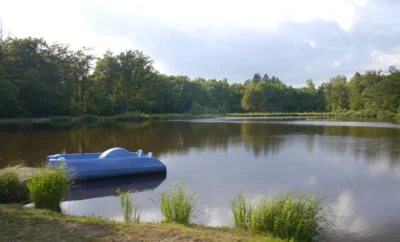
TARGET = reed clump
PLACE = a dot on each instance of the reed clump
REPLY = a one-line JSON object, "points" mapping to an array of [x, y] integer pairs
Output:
{"points": [[292, 216], [129, 209], [177, 204], [48, 187], [11, 187], [242, 209]]}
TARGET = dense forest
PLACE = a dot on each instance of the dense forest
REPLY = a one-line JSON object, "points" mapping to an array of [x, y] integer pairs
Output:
{"points": [[39, 79]]}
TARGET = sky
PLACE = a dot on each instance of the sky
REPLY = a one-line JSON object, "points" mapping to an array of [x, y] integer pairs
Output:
{"points": [[293, 40]]}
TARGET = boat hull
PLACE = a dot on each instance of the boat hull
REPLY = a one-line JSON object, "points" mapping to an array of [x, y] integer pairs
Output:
{"points": [[114, 162]]}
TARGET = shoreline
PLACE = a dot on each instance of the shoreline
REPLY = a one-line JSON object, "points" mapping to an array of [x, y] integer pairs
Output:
{"points": [[176, 116], [23, 224]]}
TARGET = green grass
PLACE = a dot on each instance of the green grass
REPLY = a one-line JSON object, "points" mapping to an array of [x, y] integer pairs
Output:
{"points": [[11, 187], [129, 209], [177, 204], [60, 119], [292, 216], [28, 224], [398, 116], [48, 187], [272, 114], [241, 208]]}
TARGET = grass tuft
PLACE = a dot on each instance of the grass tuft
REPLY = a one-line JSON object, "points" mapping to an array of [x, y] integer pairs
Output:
{"points": [[292, 216], [47, 188], [241, 208], [11, 187], [129, 209], [177, 204]]}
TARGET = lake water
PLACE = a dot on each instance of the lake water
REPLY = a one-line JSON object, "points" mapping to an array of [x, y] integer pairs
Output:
{"points": [[353, 165]]}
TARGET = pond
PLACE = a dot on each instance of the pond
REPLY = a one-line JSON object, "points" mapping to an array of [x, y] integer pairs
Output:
{"points": [[353, 165]]}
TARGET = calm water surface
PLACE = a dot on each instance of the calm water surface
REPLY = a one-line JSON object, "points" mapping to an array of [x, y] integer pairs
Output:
{"points": [[353, 165]]}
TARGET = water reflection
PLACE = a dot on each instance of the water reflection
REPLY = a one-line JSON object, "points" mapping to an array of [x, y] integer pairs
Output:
{"points": [[355, 167], [99, 188]]}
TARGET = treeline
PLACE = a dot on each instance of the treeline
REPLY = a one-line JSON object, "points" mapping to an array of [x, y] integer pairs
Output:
{"points": [[39, 79]]}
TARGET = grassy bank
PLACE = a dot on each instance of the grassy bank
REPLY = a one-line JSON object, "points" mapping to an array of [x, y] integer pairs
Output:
{"points": [[41, 225], [128, 117], [350, 113]]}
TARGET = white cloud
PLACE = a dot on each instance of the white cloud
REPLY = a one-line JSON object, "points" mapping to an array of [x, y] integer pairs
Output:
{"points": [[380, 58], [337, 63], [312, 43], [345, 215]]}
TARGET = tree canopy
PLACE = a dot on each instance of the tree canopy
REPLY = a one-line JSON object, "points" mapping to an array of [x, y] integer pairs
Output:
{"points": [[40, 79]]}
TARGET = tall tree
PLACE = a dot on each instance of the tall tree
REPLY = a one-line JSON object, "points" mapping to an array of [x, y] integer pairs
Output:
{"points": [[253, 99], [256, 78]]}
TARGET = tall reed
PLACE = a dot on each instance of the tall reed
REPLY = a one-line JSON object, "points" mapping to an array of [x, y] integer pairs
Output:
{"points": [[177, 204], [241, 208], [48, 187], [129, 209], [11, 187], [292, 216]]}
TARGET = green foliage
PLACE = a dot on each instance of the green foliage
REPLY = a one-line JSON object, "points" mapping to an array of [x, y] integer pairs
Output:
{"points": [[47, 80], [48, 187], [292, 216], [131, 117], [241, 208], [9, 104], [253, 99], [177, 204], [11, 187], [60, 119], [129, 209], [197, 109], [89, 118]]}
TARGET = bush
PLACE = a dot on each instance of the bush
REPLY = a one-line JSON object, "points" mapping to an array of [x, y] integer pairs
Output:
{"points": [[177, 204], [196, 108], [47, 188], [60, 119], [131, 117], [242, 210], [89, 118], [11, 187], [291, 216], [129, 209]]}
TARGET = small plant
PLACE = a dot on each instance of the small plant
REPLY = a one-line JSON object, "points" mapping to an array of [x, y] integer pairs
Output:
{"points": [[177, 204], [129, 209], [292, 216], [241, 209], [11, 187], [47, 188]]}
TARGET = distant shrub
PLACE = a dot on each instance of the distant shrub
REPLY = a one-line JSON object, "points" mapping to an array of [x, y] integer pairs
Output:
{"points": [[196, 109], [89, 118], [131, 117], [60, 119], [385, 114]]}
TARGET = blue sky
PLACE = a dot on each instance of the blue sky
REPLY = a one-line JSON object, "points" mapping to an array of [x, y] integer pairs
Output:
{"points": [[294, 40]]}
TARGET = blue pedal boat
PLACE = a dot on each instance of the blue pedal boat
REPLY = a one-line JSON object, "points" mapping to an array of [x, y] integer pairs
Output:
{"points": [[113, 162]]}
